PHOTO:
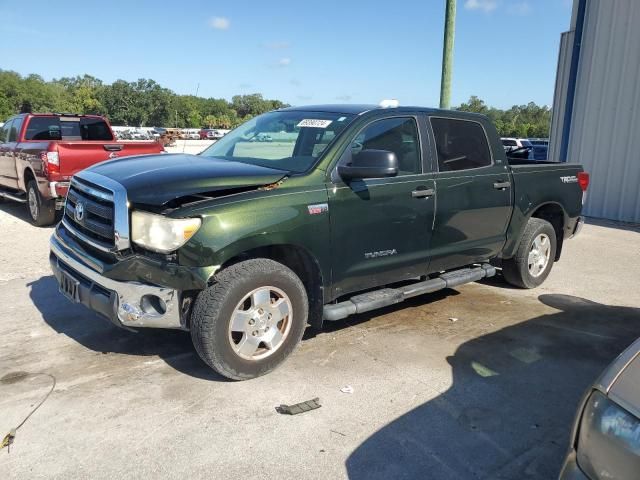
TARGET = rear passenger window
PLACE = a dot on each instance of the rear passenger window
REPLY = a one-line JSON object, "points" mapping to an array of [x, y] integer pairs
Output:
{"points": [[4, 132], [15, 129], [461, 144]]}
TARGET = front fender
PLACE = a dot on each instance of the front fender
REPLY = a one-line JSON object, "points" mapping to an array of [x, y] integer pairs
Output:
{"points": [[269, 218]]}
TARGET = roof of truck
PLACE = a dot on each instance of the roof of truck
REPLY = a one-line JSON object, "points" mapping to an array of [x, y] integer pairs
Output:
{"points": [[359, 109]]}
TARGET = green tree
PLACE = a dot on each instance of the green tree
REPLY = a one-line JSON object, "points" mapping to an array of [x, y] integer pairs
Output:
{"points": [[210, 121], [529, 120]]}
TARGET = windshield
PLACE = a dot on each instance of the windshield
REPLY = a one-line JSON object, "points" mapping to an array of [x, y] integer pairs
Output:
{"points": [[287, 140]]}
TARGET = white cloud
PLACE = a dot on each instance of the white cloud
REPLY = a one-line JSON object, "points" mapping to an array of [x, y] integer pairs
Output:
{"points": [[284, 62], [484, 5], [220, 23], [519, 8]]}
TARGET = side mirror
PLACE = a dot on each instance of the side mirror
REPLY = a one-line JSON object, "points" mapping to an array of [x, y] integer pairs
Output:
{"points": [[370, 164]]}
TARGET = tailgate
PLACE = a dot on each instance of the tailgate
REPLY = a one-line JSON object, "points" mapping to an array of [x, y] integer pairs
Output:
{"points": [[76, 156]]}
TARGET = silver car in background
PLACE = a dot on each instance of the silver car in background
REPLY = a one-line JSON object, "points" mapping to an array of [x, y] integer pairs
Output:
{"points": [[606, 435]]}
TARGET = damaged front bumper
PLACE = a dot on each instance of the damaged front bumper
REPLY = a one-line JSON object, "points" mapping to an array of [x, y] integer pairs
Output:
{"points": [[127, 304]]}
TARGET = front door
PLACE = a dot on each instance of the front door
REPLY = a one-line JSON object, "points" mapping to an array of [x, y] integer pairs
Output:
{"points": [[473, 195], [381, 227], [8, 175]]}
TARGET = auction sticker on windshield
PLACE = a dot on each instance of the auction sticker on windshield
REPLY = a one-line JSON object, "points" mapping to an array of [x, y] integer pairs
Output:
{"points": [[308, 122]]}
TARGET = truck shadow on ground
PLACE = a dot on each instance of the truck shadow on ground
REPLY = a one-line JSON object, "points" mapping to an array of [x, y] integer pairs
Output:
{"points": [[509, 411], [172, 346], [99, 335], [19, 211], [15, 209]]}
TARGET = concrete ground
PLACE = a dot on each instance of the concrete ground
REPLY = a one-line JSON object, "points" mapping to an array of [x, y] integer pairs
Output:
{"points": [[490, 395]]}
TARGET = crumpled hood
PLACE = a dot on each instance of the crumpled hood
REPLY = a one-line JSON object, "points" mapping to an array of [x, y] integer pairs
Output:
{"points": [[158, 179]]}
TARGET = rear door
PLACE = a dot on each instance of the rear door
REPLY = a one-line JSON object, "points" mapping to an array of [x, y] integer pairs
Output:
{"points": [[473, 193], [381, 227]]}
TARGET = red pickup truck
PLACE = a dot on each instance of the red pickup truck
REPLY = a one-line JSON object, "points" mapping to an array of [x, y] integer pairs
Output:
{"points": [[39, 153]]}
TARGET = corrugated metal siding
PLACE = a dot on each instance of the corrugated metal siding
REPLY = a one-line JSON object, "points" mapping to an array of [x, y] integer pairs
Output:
{"points": [[605, 130], [560, 94]]}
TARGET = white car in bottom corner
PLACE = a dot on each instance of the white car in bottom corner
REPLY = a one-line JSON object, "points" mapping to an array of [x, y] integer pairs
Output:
{"points": [[606, 435]]}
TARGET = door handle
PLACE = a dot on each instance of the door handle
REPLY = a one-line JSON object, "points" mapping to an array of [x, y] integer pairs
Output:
{"points": [[423, 193], [501, 185]]}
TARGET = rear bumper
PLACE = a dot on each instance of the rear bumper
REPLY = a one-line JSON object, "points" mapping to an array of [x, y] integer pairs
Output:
{"points": [[127, 304], [58, 189]]}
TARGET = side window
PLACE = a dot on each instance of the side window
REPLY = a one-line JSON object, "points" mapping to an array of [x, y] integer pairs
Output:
{"points": [[509, 143], [397, 135], [15, 129], [461, 144], [4, 131]]}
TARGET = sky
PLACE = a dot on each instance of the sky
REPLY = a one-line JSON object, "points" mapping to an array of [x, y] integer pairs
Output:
{"points": [[303, 52]]}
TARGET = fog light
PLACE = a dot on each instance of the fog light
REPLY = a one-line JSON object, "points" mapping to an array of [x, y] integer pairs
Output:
{"points": [[153, 305]]}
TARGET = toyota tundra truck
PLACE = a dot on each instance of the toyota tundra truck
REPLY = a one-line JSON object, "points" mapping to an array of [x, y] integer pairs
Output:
{"points": [[39, 153], [347, 209]]}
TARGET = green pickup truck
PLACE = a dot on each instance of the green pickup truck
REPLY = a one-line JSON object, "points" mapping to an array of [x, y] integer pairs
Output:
{"points": [[347, 208]]}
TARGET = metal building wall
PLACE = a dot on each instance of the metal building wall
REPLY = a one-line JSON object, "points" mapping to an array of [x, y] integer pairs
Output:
{"points": [[605, 126], [560, 95]]}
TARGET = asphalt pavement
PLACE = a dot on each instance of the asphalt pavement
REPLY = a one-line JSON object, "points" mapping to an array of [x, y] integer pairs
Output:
{"points": [[481, 381]]}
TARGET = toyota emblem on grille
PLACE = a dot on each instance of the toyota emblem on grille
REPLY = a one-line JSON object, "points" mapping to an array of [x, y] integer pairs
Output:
{"points": [[79, 211]]}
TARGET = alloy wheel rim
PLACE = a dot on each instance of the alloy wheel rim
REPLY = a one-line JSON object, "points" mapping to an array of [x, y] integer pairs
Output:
{"points": [[539, 255], [33, 204], [260, 323]]}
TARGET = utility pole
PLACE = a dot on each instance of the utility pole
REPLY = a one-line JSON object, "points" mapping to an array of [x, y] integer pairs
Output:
{"points": [[447, 54]]}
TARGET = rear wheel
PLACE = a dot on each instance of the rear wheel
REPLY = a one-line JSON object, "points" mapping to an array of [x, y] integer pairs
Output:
{"points": [[250, 320], [534, 258], [42, 212]]}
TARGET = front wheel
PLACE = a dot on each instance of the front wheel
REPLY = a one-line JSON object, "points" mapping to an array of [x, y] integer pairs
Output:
{"points": [[250, 320], [534, 258]]}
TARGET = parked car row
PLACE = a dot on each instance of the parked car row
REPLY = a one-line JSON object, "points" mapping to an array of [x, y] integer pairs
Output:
{"points": [[141, 133], [212, 133], [135, 134]]}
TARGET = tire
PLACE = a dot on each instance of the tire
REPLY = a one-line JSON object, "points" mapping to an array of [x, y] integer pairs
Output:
{"points": [[239, 293], [42, 212], [528, 269]]}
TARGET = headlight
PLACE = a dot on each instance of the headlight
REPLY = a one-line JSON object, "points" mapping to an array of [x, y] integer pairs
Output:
{"points": [[609, 440], [162, 234]]}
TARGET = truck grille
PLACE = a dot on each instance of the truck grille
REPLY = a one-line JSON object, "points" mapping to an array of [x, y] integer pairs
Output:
{"points": [[96, 214]]}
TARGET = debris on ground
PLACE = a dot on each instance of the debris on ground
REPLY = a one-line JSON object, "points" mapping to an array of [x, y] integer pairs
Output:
{"points": [[347, 389], [8, 439], [15, 377], [299, 407], [453, 319]]}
